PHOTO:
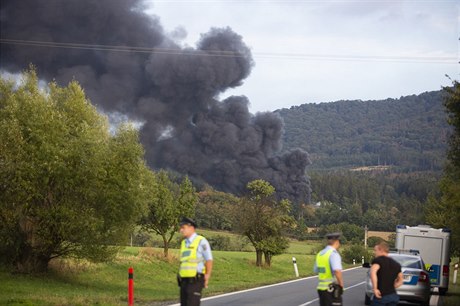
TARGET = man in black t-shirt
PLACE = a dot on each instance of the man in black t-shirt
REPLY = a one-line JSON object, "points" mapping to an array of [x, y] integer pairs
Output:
{"points": [[386, 276]]}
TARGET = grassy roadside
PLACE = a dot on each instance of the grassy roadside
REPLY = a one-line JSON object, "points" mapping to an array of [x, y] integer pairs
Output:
{"points": [[453, 295], [81, 283]]}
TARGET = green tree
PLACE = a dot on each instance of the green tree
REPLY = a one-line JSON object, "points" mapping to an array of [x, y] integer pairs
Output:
{"points": [[263, 220], [215, 209], [167, 203], [68, 187], [373, 241], [446, 211], [350, 232], [356, 252]]}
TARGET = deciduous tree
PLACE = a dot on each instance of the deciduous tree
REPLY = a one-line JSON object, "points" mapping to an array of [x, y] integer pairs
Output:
{"points": [[68, 187], [167, 203], [263, 220]]}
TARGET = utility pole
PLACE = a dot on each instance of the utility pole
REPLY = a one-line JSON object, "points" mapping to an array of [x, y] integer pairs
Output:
{"points": [[365, 236]]}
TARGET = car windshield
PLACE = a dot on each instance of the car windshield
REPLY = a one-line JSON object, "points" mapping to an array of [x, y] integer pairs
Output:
{"points": [[408, 261]]}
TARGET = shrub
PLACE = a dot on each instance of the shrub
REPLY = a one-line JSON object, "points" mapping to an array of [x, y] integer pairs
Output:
{"points": [[219, 242], [355, 251], [392, 240], [373, 241], [141, 239]]}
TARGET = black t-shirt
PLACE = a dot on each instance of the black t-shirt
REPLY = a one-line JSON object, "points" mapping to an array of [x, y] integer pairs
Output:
{"points": [[387, 274]]}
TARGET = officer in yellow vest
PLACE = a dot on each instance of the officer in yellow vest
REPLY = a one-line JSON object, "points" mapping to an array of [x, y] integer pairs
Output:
{"points": [[328, 265], [195, 264]]}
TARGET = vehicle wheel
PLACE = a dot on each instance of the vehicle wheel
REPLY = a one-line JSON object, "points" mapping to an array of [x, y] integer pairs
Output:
{"points": [[443, 291], [367, 300], [426, 303]]}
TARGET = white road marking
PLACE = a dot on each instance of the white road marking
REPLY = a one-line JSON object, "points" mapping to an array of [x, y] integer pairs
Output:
{"points": [[263, 287], [312, 301], [434, 300]]}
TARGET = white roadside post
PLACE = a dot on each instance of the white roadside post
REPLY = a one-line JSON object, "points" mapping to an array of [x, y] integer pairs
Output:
{"points": [[455, 273], [354, 261], [295, 267], [362, 260]]}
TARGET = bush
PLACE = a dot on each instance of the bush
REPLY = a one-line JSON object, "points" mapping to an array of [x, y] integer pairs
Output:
{"points": [[226, 243], [392, 240], [142, 239], [373, 241], [219, 242], [355, 251]]}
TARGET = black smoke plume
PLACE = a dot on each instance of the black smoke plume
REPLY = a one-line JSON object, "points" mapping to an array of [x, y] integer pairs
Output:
{"points": [[127, 64]]}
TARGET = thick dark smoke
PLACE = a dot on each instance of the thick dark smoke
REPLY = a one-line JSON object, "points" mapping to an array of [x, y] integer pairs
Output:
{"points": [[171, 89]]}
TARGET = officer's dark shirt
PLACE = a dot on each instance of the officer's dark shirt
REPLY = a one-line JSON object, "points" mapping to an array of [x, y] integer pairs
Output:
{"points": [[387, 274]]}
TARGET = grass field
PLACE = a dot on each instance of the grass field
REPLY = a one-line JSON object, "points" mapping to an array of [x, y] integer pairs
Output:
{"points": [[453, 295], [295, 247], [81, 283]]}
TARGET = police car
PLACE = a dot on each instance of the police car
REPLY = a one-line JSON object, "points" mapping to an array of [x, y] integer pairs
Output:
{"points": [[416, 286]]}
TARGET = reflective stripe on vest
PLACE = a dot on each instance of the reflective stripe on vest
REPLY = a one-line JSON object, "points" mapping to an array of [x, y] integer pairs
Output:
{"points": [[325, 276], [188, 258]]}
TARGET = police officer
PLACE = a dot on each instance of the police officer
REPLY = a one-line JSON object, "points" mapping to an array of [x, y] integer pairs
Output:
{"points": [[328, 265], [195, 264]]}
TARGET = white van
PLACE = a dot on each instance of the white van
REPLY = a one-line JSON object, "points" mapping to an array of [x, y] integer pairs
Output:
{"points": [[433, 245]]}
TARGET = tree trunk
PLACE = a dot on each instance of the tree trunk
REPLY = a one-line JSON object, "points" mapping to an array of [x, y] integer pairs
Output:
{"points": [[29, 262], [268, 259], [165, 246], [259, 258]]}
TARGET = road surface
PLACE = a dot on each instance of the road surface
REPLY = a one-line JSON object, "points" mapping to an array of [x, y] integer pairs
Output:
{"points": [[301, 292]]}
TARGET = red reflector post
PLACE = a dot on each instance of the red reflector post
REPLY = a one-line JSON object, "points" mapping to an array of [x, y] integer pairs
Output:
{"points": [[445, 271], [130, 286]]}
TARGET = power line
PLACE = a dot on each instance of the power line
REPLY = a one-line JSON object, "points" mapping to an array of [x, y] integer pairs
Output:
{"points": [[114, 48], [245, 2], [233, 54]]}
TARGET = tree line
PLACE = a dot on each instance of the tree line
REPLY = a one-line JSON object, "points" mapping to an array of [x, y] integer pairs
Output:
{"points": [[445, 210], [409, 133]]}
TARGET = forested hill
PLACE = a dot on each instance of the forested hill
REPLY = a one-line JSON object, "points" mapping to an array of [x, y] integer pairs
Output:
{"points": [[409, 133]]}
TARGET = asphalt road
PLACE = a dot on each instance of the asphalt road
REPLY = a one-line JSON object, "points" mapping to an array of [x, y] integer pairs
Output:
{"points": [[301, 292]]}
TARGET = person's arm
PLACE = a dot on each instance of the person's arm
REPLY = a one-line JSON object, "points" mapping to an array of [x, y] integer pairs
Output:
{"points": [[207, 255], [207, 276], [335, 261], [399, 280], [338, 275], [374, 268]]}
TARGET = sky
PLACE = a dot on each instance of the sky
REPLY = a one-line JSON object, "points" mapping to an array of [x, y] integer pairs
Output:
{"points": [[309, 51]]}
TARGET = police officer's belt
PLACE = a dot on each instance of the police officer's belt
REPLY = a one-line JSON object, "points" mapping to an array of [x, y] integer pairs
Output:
{"points": [[192, 280]]}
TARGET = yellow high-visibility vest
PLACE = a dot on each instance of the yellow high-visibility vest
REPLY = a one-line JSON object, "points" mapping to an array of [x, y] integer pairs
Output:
{"points": [[188, 258], [325, 276]]}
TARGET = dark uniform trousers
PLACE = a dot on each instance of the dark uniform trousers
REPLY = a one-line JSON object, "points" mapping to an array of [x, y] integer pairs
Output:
{"points": [[190, 290], [327, 298]]}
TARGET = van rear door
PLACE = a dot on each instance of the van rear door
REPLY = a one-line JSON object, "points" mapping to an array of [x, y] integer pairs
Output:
{"points": [[431, 251]]}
